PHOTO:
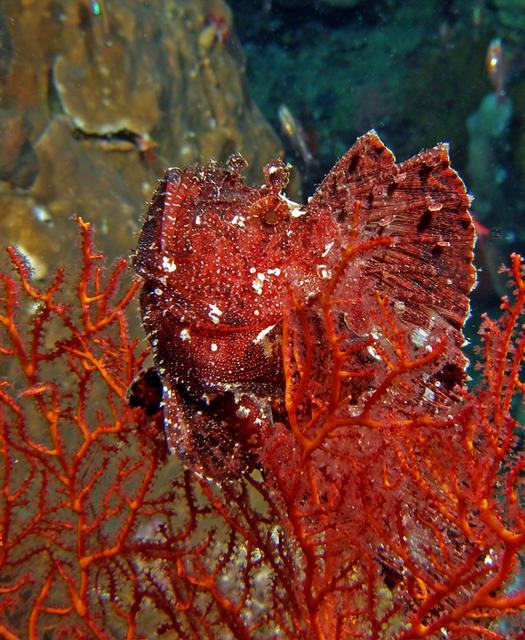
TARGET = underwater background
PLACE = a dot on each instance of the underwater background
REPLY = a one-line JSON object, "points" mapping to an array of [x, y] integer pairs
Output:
{"points": [[418, 73], [98, 97]]}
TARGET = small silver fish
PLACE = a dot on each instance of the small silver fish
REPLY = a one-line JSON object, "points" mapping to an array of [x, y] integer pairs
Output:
{"points": [[293, 130], [496, 65]]}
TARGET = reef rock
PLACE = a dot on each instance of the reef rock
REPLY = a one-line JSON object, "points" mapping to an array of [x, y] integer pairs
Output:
{"points": [[488, 150], [105, 96]]}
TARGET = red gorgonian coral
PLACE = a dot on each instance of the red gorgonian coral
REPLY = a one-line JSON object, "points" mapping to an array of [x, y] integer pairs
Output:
{"points": [[357, 488]]}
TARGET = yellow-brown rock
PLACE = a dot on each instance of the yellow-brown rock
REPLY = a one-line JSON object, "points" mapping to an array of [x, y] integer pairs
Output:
{"points": [[111, 93]]}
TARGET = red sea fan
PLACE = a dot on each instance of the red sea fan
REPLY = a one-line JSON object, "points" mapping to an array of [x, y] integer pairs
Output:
{"points": [[357, 488], [71, 484]]}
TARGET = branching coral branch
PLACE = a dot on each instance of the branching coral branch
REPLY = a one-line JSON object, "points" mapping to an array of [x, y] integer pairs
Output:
{"points": [[385, 500]]}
